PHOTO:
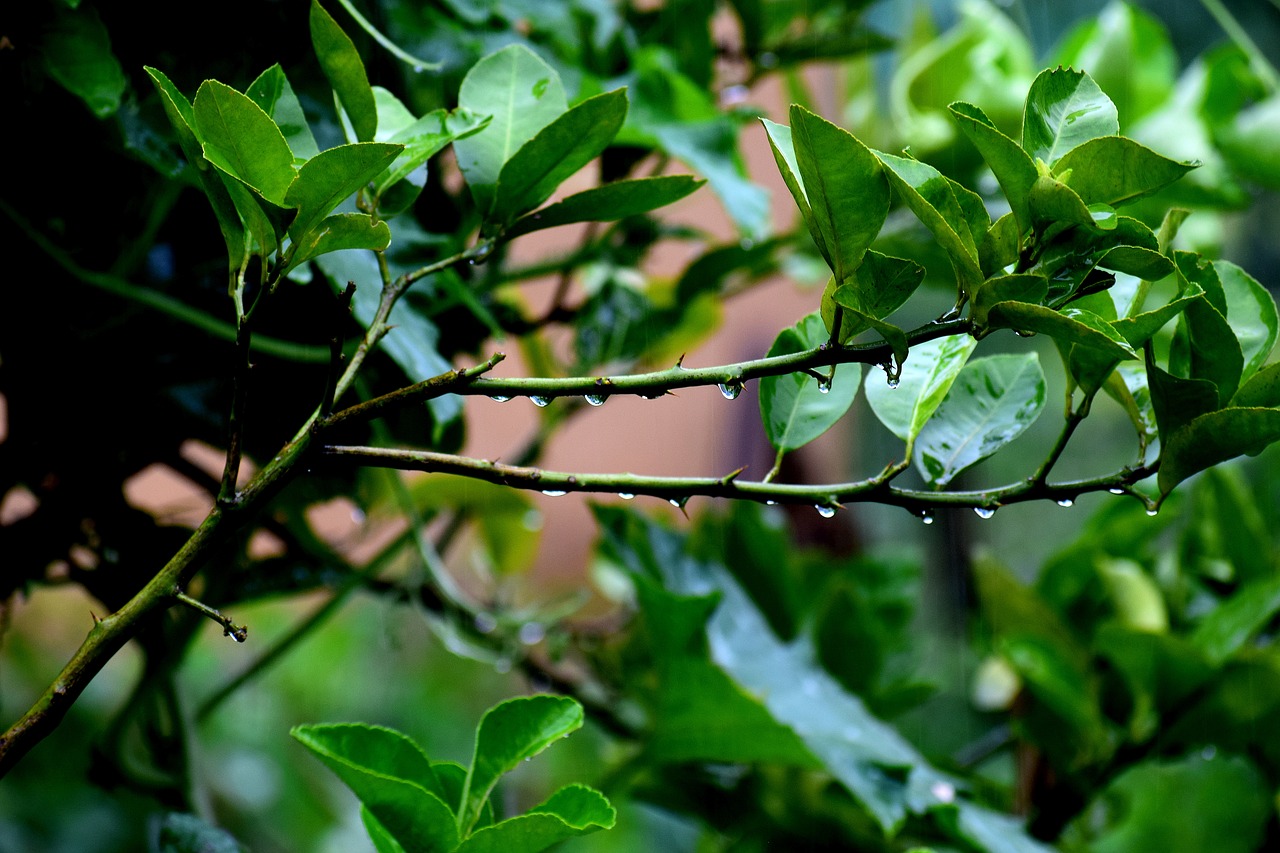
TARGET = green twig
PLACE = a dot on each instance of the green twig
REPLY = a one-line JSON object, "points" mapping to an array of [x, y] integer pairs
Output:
{"points": [[1257, 60], [391, 47], [239, 633]]}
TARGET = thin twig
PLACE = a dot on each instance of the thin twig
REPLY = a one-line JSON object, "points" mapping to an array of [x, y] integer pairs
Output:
{"points": [[239, 633]]}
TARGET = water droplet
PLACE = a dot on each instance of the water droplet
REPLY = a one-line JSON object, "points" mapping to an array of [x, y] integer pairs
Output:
{"points": [[893, 384], [1151, 512], [824, 385], [1116, 490], [825, 510], [1022, 334], [944, 792], [1065, 502], [553, 493], [730, 390], [540, 402], [770, 503], [595, 399], [678, 503], [532, 633], [528, 758], [984, 511], [926, 517], [485, 623], [626, 496], [500, 398], [652, 396], [746, 244]]}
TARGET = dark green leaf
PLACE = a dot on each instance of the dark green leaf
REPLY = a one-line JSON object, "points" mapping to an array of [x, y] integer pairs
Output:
{"points": [[925, 378], [186, 833], [1070, 325], [1176, 401], [509, 733], [555, 153], [607, 203], [1012, 166], [329, 178], [1208, 344], [570, 812], [1115, 170], [77, 53], [390, 776], [845, 186], [1019, 287], [794, 409], [1000, 246], [342, 231], [1064, 109], [1251, 314], [383, 841], [879, 286], [1137, 261], [345, 71], [272, 92], [992, 401], [1227, 628], [523, 94], [1262, 390], [242, 140], [1213, 438]]}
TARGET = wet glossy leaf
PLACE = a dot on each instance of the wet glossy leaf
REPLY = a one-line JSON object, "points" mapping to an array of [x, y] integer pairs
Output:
{"points": [[845, 186], [1251, 314], [1020, 287], [555, 153], [793, 409], [345, 71], [879, 286], [1137, 261], [342, 231], [391, 777], [572, 811], [329, 178], [924, 381], [1064, 109], [1213, 438], [608, 203], [1116, 170], [523, 94], [77, 53], [1013, 167], [242, 140], [509, 733], [992, 401], [272, 92], [1070, 325]]}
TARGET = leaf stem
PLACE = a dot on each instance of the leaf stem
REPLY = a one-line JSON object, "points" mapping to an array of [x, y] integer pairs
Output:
{"points": [[1239, 35], [239, 633]]}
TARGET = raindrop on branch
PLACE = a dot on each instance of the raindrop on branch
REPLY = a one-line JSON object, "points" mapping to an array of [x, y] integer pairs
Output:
{"points": [[678, 503], [824, 385], [553, 493], [730, 390], [825, 510], [500, 398], [1064, 502], [984, 511], [540, 402], [1116, 490], [926, 517], [626, 496], [595, 399]]}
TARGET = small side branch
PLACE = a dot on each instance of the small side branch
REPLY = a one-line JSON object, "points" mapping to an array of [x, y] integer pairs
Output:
{"points": [[446, 383], [239, 633]]}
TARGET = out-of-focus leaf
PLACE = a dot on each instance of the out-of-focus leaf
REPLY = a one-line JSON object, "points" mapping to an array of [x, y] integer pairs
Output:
{"points": [[992, 401], [77, 53], [345, 71], [1065, 109], [1251, 142], [794, 408], [608, 203], [1230, 625], [187, 833]]}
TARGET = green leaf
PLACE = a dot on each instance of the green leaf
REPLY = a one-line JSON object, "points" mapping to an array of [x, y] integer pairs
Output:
{"points": [[931, 198], [1208, 345], [182, 117], [272, 92], [391, 777], [523, 95], [265, 222], [1115, 170], [77, 53], [1128, 386], [341, 231], [1177, 401], [1137, 261], [1213, 438], [1064, 109], [383, 841], [1018, 287], [845, 186], [710, 148], [556, 152], [329, 178], [1000, 246], [1229, 626], [187, 833], [784, 154], [1070, 325], [794, 409], [345, 72], [242, 140], [1251, 314], [878, 287], [423, 138], [923, 382], [1053, 201], [608, 203], [1222, 805], [572, 811], [992, 401], [1013, 167], [1262, 390], [509, 733]]}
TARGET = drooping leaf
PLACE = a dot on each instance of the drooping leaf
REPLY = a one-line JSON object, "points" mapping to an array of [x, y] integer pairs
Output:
{"points": [[523, 94], [607, 203], [1262, 390], [879, 286], [794, 409], [509, 733], [925, 378], [1116, 170], [572, 811], [242, 140], [1065, 109], [1070, 325], [1013, 167], [390, 776], [992, 401], [329, 178], [272, 92], [1212, 438], [1207, 345], [555, 153], [77, 53], [846, 189], [345, 71], [1030, 288], [1251, 314], [1137, 261]]}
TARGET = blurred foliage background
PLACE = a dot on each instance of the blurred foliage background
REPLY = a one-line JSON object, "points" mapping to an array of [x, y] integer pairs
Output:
{"points": [[1109, 677]]}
